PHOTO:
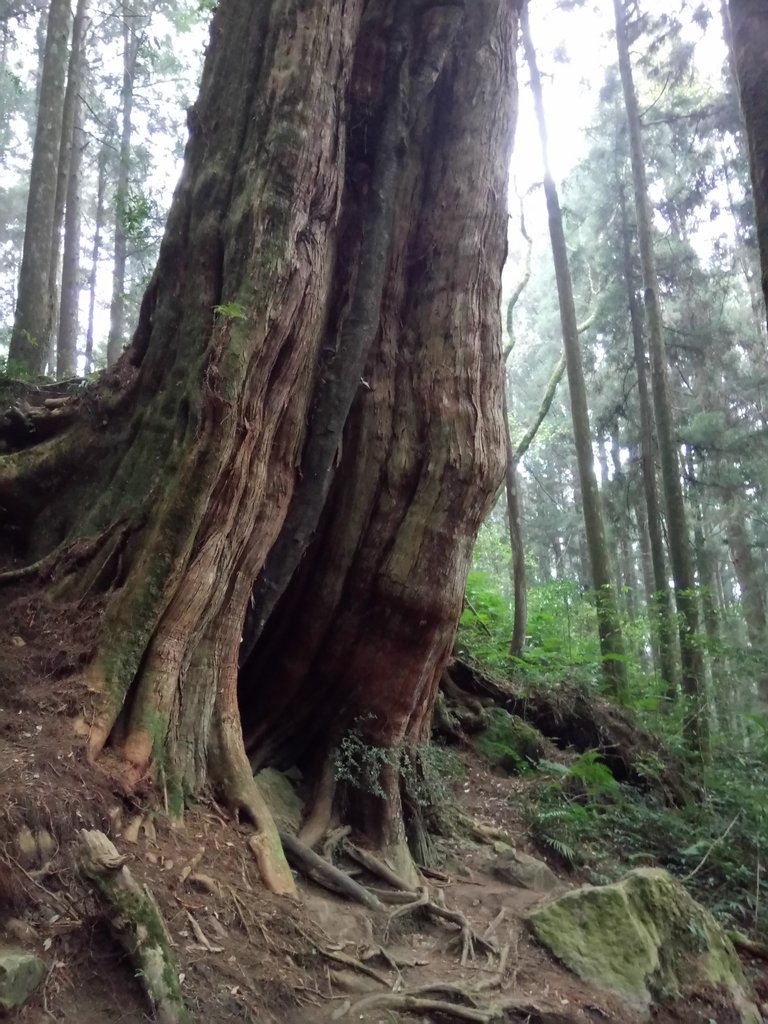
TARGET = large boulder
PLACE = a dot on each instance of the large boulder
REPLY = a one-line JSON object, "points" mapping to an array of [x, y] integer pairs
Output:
{"points": [[646, 939], [20, 974]]}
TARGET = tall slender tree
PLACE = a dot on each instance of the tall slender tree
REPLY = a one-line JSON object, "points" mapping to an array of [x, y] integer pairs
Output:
{"points": [[609, 624], [28, 351], [749, 38], [660, 598], [66, 340], [696, 721], [131, 41]]}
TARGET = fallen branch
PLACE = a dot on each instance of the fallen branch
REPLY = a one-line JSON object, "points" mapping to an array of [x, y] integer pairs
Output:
{"points": [[747, 945], [137, 923]]}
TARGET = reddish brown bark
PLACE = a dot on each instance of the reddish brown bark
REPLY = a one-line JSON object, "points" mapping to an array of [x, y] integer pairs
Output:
{"points": [[335, 244]]}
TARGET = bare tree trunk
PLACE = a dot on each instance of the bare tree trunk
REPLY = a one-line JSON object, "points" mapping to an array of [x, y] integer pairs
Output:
{"points": [[71, 99], [660, 600], [514, 455], [66, 348], [749, 35], [307, 237], [609, 626], [649, 584], [95, 253], [116, 338], [28, 349], [695, 721], [622, 526], [752, 599]]}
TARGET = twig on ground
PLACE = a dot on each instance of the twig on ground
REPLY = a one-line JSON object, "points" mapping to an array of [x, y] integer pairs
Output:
{"points": [[712, 845]]}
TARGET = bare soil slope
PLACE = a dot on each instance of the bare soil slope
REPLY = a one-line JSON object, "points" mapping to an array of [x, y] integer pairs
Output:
{"points": [[242, 953]]}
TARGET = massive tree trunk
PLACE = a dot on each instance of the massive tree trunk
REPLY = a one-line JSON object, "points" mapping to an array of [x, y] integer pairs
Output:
{"points": [[608, 623], [28, 350], [749, 37], [314, 383]]}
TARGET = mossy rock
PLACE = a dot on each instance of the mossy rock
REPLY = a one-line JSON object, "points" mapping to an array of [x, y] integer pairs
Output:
{"points": [[20, 974], [282, 799], [509, 743], [517, 868], [644, 938]]}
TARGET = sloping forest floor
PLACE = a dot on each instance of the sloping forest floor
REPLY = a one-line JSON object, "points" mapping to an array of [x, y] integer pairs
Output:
{"points": [[242, 953]]}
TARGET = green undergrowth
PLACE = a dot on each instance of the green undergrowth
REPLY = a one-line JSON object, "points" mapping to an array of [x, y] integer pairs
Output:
{"points": [[427, 773], [717, 846]]}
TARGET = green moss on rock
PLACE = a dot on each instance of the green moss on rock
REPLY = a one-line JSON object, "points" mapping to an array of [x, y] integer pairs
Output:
{"points": [[20, 974], [508, 742], [644, 938]]}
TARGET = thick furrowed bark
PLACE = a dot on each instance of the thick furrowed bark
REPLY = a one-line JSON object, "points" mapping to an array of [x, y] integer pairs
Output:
{"points": [[380, 592], [264, 248]]}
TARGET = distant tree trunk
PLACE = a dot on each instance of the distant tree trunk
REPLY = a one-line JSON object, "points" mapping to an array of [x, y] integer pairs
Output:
{"points": [[649, 584], [752, 598], [316, 372], [66, 347], [514, 455], [95, 254], [695, 721], [622, 521], [116, 338], [609, 626], [749, 36], [519, 580], [28, 350], [660, 600], [71, 100]]}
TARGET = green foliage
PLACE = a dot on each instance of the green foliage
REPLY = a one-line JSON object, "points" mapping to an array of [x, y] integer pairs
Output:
{"points": [[137, 215], [717, 846], [231, 311], [508, 742], [427, 772]]}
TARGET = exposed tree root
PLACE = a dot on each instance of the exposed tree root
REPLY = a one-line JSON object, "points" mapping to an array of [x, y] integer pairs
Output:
{"points": [[358, 965], [575, 717], [376, 866], [321, 813], [136, 921], [468, 937], [400, 1001], [749, 946], [325, 874], [67, 557]]}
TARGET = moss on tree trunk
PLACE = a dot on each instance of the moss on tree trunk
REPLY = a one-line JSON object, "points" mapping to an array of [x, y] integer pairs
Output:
{"points": [[332, 263]]}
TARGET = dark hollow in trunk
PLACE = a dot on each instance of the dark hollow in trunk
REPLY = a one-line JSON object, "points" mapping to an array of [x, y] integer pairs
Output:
{"points": [[316, 372]]}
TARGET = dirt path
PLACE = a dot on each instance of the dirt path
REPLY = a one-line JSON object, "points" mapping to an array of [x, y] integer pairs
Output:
{"points": [[243, 954]]}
